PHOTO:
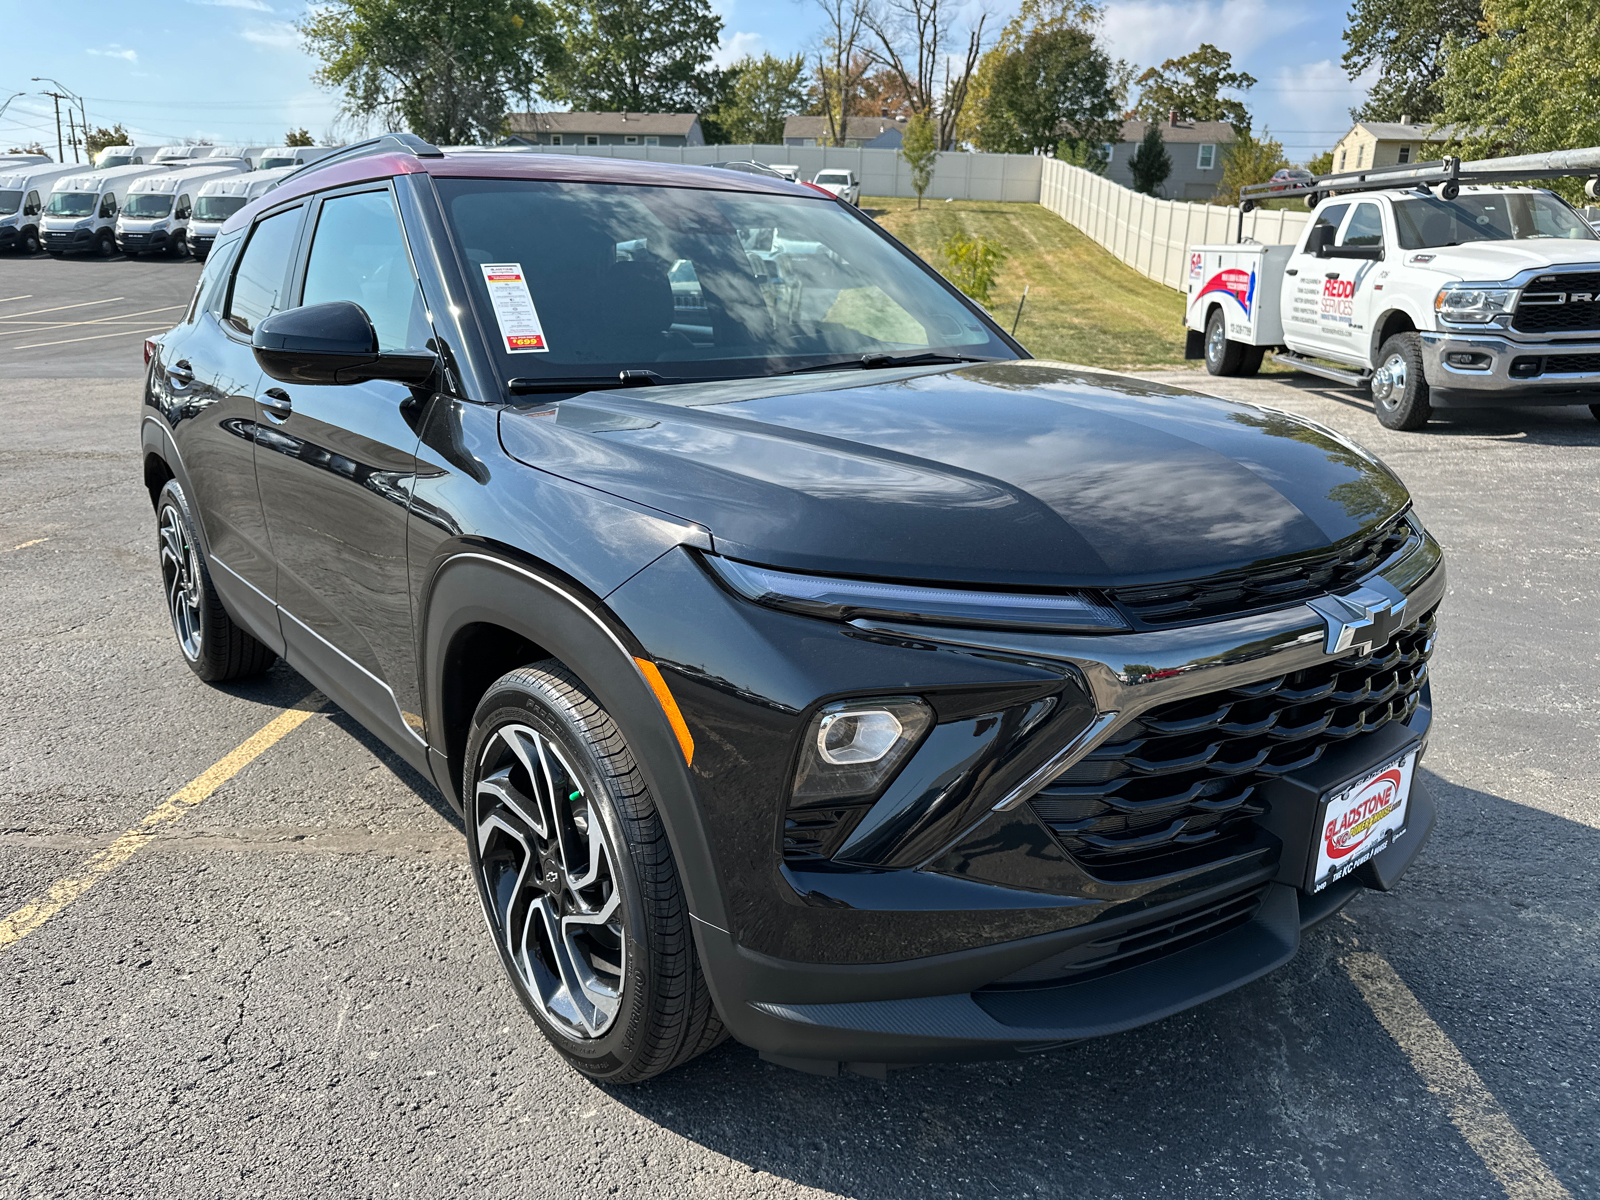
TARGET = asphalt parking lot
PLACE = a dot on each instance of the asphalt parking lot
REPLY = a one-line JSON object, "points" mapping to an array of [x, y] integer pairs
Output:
{"points": [[281, 986]]}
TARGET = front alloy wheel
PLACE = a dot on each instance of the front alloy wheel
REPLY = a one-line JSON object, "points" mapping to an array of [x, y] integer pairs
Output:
{"points": [[578, 884]]}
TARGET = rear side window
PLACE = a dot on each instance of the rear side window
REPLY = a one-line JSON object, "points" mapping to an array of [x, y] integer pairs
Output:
{"points": [[259, 281], [212, 288], [358, 253]]}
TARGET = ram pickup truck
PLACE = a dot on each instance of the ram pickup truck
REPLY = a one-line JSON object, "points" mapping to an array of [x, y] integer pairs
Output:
{"points": [[1460, 296]]}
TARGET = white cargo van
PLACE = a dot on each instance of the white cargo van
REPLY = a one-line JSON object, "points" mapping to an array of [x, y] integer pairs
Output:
{"points": [[251, 154], [292, 156], [155, 213], [81, 213], [7, 161], [124, 156], [23, 191], [219, 199], [169, 154]]}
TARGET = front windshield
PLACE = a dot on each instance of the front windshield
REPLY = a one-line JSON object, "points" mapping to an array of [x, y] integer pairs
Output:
{"points": [[71, 204], [144, 205], [1429, 222], [694, 283], [106, 161], [9, 203], [268, 164], [217, 208]]}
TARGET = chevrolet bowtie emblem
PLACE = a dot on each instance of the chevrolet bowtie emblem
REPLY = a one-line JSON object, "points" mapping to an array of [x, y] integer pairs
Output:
{"points": [[1362, 620]]}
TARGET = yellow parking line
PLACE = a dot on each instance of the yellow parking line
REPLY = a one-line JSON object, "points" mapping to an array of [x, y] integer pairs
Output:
{"points": [[61, 308], [93, 338], [63, 892], [1484, 1125], [25, 545]]}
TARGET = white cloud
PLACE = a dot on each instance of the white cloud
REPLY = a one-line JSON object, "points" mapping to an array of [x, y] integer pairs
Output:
{"points": [[116, 51], [735, 46], [1148, 32], [278, 35], [252, 5]]}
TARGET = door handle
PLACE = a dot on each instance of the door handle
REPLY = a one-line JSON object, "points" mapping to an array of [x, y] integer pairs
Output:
{"points": [[1332, 275], [181, 373], [1292, 271], [276, 403]]}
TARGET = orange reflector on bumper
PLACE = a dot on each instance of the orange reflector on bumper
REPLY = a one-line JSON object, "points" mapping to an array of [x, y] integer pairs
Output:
{"points": [[669, 706]]}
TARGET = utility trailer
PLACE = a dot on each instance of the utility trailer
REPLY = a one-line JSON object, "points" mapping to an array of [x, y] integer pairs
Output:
{"points": [[1436, 285]]}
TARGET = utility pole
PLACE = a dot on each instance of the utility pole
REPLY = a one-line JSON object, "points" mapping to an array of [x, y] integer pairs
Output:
{"points": [[83, 117], [61, 154], [72, 136]]}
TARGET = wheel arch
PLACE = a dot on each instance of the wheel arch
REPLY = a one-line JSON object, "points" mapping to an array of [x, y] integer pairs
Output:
{"points": [[1395, 320], [486, 612]]}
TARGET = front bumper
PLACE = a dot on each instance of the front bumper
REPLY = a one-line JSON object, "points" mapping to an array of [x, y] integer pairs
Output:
{"points": [[143, 240], [1516, 372], [67, 239], [899, 955]]}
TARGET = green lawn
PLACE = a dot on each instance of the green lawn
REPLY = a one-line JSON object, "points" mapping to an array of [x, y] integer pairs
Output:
{"points": [[1084, 306]]}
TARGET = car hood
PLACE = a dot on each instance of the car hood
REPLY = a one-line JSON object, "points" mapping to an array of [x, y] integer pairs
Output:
{"points": [[1485, 262], [1023, 473]]}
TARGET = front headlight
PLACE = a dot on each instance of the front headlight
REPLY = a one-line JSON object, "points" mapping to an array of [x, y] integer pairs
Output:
{"points": [[848, 599], [1473, 304]]}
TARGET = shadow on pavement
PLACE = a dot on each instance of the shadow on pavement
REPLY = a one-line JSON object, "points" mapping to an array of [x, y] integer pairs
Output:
{"points": [[1320, 1100]]}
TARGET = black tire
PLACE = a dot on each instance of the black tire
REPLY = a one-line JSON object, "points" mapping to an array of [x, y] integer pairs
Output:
{"points": [[654, 1010], [106, 244], [1594, 411], [215, 648], [1399, 389], [1223, 355], [1250, 364], [177, 248], [30, 241]]}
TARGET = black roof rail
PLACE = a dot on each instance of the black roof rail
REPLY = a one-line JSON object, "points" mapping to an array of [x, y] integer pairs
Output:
{"points": [[1446, 174], [384, 143]]}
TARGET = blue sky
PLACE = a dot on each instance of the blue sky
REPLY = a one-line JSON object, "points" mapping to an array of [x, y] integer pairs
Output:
{"points": [[232, 71]]}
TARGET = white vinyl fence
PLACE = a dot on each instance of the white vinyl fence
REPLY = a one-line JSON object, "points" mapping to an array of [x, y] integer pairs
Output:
{"points": [[1012, 177], [1152, 236]]}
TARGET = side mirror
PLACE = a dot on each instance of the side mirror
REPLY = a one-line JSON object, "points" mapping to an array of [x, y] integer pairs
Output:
{"points": [[332, 343], [1321, 239]]}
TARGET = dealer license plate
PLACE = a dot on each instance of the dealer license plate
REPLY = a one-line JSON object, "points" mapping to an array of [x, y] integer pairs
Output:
{"points": [[1362, 818]]}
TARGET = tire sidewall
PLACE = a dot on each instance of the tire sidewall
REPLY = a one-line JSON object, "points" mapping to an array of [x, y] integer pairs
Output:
{"points": [[1215, 363], [614, 1051], [1410, 409], [204, 665]]}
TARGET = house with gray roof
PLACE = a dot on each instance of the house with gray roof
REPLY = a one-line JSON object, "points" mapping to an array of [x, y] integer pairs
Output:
{"points": [[870, 133], [1195, 148], [1388, 144], [605, 129]]}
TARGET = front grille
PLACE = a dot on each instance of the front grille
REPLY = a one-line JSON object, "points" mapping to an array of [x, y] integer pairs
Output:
{"points": [[812, 835], [1571, 364], [1560, 318], [1144, 941], [1181, 789], [1272, 585]]}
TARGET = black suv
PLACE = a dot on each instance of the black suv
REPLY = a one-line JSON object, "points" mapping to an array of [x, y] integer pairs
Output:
{"points": [[807, 663]]}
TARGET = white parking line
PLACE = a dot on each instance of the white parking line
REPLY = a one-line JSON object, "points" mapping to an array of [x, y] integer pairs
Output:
{"points": [[49, 326], [60, 307], [8, 299], [1484, 1125], [94, 338]]}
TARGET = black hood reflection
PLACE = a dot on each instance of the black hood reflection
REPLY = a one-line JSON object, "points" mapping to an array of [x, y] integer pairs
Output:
{"points": [[1010, 473]]}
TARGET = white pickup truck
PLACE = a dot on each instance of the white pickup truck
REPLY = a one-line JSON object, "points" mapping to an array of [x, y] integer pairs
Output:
{"points": [[1460, 296]]}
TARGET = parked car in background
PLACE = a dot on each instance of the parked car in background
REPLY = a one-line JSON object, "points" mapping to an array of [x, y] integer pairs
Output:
{"points": [[1289, 177], [23, 192], [219, 199], [81, 214], [292, 156], [749, 168], [789, 171], [819, 670], [155, 212], [125, 156], [842, 184]]}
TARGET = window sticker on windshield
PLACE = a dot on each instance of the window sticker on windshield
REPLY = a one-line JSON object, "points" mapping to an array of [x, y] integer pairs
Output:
{"points": [[513, 308]]}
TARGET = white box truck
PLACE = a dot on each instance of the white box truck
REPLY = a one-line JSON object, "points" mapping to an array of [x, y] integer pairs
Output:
{"points": [[81, 214], [155, 213], [219, 199], [1436, 285], [23, 192]]}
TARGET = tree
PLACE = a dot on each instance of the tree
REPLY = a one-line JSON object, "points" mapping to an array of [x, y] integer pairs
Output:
{"points": [[97, 140], [919, 146], [1034, 16], [1248, 159], [1058, 87], [34, 147], [1528, 84], [637, 56], [913, 42], [1322, 164], [299, 137], [1150, 164], [971, 263], [840, 63], [1192, 85], [763, 91], [442, 68], [1406, 40]]}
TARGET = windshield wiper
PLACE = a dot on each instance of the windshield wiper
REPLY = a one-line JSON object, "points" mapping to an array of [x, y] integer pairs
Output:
{"points": [[873, 362], [524, 386]]}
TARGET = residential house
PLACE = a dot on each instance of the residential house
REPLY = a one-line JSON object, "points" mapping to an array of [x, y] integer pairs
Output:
{"points": [[605, 129], [870, 133], [1382, 144], [1195, 148]]}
